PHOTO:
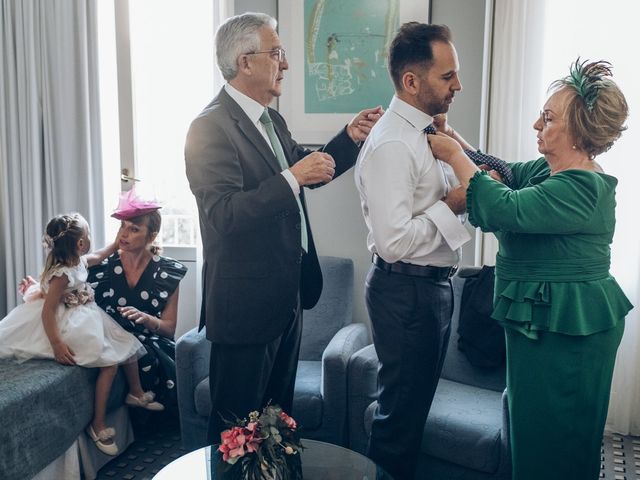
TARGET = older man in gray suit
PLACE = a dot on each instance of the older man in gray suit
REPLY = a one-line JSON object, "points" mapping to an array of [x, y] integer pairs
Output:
{"points": [[260, 263]]}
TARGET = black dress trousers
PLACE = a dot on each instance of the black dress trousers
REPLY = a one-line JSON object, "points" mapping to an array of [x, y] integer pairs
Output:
{"points": [[411, 322], [243, 378]]}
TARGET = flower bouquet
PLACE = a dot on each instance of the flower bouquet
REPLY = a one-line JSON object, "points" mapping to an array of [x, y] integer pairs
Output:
{"points": [[264, 447]]}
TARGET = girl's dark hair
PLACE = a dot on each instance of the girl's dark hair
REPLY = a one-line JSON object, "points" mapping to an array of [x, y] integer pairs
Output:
{"points": [[153, 222], [61, 237]]}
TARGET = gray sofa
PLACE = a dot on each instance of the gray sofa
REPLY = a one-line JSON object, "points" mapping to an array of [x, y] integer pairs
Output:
{"points": [[44, 407], [329, 338], [466, 435]]}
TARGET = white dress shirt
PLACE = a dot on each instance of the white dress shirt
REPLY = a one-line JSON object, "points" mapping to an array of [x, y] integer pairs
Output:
{"points": [[254, 111], [401, 188]]}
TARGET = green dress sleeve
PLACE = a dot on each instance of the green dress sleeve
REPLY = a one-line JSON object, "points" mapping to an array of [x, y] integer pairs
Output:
{"points": [[559, 204], [525, 171]]}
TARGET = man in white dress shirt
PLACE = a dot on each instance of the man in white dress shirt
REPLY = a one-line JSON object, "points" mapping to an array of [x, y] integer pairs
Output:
{"points": [[411, 207]]}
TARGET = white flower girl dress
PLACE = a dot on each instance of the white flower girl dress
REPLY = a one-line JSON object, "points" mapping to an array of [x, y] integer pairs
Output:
{"points": [[95, 338]]}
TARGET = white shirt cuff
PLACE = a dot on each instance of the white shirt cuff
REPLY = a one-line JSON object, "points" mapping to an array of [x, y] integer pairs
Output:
{"points": [[291, 180], [448, 224]]}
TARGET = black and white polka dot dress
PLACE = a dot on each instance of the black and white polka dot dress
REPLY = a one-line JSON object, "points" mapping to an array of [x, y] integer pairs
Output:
{"points": [[157, 283]]}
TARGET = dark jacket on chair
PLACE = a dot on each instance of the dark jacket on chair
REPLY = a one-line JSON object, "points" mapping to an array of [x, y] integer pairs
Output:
{"points": [[481, 337]]}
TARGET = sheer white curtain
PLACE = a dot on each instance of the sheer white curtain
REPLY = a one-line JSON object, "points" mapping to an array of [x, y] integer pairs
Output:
{"points": [[516, 92], [49, 135], [534, 43]]}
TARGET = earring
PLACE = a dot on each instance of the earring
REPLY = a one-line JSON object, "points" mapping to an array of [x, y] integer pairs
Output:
{"points": [[574, 147]]}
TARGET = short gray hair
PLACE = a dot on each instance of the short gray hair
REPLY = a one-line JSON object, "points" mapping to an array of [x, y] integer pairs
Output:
{"points": [[239, 35]]}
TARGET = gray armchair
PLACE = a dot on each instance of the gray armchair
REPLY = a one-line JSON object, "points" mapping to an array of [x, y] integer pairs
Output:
{"points": [[466, 435], [329, 338]]}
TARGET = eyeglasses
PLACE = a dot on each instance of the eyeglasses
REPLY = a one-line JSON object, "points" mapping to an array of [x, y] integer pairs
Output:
{"points": [[545, 117], [277, 54]]}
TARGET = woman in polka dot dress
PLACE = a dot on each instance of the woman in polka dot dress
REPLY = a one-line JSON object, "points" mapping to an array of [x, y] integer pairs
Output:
{"points": [[139, 289]]}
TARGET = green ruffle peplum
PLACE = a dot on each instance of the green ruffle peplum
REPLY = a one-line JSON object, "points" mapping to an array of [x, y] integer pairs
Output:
{"points": [[552, 270], [565, 304]]}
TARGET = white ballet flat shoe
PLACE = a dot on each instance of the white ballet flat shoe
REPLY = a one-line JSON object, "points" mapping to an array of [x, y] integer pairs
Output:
{"points": [[145, 401], [101, 437]]}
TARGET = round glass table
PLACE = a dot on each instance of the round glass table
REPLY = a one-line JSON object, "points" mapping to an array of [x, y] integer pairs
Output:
{"points": [[320, 461]]}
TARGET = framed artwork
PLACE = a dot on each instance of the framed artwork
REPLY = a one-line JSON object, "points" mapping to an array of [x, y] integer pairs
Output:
{"points": [[337, 53]]}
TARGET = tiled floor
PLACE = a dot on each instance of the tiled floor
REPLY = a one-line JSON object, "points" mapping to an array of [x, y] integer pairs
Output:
{"points": [[145, 457], [153, 450], [620, 457]]}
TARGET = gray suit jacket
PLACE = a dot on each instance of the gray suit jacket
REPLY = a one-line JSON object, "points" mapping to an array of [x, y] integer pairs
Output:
{"points": [[250, 224]]}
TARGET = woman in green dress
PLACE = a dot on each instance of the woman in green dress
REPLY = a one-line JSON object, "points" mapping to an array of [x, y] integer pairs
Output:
{"points": [[562, 311]]}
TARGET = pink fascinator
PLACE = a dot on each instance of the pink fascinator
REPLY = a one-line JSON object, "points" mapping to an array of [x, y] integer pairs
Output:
{"points": [[131, 205]]}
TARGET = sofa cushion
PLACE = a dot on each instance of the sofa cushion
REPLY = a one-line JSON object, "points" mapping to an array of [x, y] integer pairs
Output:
{"points": [[333, 310], [307, 399], [463, 427], [202, 398]]}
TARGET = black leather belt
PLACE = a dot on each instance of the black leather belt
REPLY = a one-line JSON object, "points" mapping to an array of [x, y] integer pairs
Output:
{"points": [[426, 271]]}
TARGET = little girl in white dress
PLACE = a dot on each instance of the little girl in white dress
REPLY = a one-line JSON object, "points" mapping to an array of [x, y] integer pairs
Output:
{"points": [[60, 320]]}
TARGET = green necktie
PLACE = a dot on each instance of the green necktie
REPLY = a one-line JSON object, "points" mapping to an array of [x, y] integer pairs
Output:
{"points": [[265, 119]]}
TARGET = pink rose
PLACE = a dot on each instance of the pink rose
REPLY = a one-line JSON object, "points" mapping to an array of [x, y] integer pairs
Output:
{"points": [[288, 421], [79, 297], [71, 299], [253, 438], [237, 441], [85, 296]]}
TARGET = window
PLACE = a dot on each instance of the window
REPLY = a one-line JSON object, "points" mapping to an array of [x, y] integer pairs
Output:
{"points": [[156, 74]]}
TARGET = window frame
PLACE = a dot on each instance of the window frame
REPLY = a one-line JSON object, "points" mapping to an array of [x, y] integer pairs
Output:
{"points": [[129, 166]]}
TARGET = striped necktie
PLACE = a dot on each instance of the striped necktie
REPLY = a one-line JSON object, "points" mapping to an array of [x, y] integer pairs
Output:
{"points": [[480, 158], [265, 119]]}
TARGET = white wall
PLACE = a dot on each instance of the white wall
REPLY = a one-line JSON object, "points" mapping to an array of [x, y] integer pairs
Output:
{"points": [[190, 289], [339, 230]]}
